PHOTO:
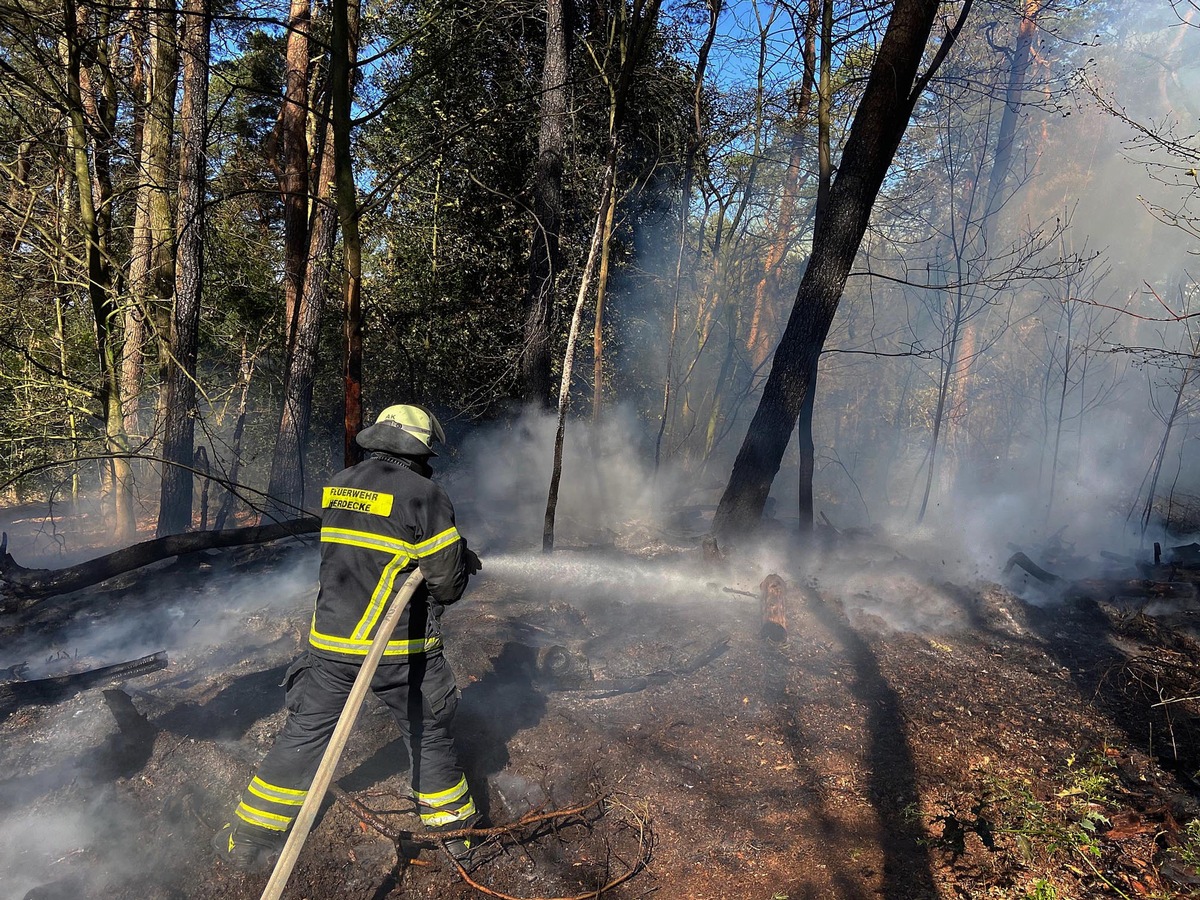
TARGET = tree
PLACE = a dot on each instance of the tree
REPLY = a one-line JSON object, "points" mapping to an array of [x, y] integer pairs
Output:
{"points": [[175, 502], [889, 97], [545, 256]]}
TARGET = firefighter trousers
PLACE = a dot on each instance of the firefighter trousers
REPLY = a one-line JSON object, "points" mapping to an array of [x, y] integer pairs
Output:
{"points": [[422, 696]]}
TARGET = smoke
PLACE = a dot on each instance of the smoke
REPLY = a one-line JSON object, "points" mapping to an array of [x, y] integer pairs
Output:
{"points": [[501, 479]]}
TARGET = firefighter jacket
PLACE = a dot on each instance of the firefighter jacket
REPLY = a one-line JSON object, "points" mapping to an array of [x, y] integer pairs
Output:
{"points": [[381, 519]]}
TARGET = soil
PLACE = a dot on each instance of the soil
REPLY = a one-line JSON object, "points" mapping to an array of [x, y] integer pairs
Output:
{"points": [[908, 737]]}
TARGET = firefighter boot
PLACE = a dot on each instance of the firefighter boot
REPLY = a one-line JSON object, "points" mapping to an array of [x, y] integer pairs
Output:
{"points": [[253, 850], [462, 848]]}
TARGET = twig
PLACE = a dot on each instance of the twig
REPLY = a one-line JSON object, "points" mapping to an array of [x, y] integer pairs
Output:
{"points": [[644, 846]]}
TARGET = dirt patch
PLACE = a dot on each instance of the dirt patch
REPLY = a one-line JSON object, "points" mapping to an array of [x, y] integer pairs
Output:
{"points": [[909, 739]]}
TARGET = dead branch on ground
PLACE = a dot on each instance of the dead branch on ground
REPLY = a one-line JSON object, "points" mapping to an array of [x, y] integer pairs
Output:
{"points": [[21, 588]]}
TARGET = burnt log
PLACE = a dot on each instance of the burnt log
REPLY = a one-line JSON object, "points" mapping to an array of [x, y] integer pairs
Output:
{"points": [[773, 607], [46, 691], [1020, 559], [21, 588]]}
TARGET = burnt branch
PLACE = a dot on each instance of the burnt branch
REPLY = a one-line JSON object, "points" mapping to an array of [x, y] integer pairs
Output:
{"points": [[21, 588]]}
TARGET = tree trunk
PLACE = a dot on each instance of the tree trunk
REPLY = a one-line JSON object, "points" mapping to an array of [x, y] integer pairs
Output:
{"points": [[601, 293], [292, 130], [807, 447], [343, 57], [545, 258], [287, 480], [1019, 59], [891, 92], [99, 283], [175, 502], [152, 255]]}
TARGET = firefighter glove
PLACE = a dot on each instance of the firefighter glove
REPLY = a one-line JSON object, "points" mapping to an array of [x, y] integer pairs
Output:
{"points": [[471, 559]]}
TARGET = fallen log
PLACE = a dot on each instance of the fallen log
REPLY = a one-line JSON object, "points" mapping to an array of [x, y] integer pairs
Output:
{"points": [[45, 691], [21, 588]]}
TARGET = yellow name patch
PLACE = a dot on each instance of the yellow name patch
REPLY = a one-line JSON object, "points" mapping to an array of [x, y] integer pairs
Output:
{"points": [[372, 502]]}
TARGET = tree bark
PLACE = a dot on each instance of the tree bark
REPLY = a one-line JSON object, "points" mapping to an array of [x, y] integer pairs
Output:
{"points": [[545, 258], [879, 123], [99, 281], [343, 57], [152, 254], [286, 487], [175, 501], [292, 130]]}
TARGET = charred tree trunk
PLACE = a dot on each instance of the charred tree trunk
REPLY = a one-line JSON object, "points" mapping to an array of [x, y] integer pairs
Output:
{"points": [[343, 57], [891, 92], [806, 445], [545, 259], [175, 502], [21, 588]]}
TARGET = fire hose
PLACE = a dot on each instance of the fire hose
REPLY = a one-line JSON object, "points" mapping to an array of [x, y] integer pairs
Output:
{"points": [[337, 743]]}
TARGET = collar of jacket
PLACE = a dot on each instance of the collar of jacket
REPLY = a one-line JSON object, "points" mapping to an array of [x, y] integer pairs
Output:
{"points": [[420, 466]]}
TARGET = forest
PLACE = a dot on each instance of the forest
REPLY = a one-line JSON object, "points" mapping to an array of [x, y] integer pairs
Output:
{"points": [[871, 295], [230, 235]]}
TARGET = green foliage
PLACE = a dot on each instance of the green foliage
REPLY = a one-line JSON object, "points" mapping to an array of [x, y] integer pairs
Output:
{"points": [[1042, 890], [1059, 820]]}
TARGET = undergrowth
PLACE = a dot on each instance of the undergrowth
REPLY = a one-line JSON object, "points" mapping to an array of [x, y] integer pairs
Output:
{"points": [[1050, 825]]}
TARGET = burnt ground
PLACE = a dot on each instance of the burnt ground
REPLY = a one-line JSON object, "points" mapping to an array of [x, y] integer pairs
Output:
{"points": [[911, 738]]}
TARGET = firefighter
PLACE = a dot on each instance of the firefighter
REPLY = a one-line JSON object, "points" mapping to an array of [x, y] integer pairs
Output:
{"points": [[381, 518]]}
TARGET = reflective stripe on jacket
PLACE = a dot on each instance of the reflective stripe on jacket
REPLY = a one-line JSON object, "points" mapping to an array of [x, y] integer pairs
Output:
{"points": [[381, 519]]}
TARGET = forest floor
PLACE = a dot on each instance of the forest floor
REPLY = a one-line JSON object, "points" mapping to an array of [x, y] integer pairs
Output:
{"points": [[911, 738]]}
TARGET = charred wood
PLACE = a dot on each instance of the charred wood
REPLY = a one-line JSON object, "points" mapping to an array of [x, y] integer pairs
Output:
{"points": [[773, 607], [1020, 559], [47, 691], [21, 588]]}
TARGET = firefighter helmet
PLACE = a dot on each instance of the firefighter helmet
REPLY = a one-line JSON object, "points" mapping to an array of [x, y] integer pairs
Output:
{"points": [[406, 428]]}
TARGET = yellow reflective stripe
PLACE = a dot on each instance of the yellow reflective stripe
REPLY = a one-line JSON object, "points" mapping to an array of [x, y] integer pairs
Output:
{"points": [[371, 541], [437, 542], [445, 818], [276, 794], [441, 798], [365, 539], [356, 500], [360, 647], [383, 590], [263, 819]]}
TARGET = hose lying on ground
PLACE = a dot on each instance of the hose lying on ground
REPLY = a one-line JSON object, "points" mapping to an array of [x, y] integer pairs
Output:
{"points": [[337, 743]]}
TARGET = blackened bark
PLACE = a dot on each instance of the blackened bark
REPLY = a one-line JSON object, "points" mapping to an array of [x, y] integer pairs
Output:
{"points": [[887, 103], [175, 500], [343, 56], [544, 255]]}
